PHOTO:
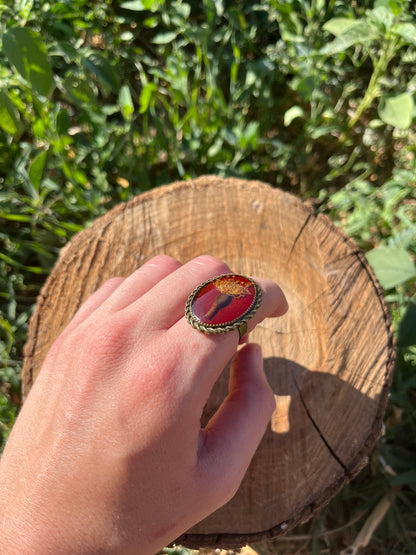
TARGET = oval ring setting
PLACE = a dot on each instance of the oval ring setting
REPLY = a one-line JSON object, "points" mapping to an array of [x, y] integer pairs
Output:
{"points": [[223, 303]]}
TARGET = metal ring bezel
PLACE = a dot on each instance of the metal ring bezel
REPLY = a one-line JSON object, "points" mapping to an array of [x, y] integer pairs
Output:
{"points": [[226, 326]]}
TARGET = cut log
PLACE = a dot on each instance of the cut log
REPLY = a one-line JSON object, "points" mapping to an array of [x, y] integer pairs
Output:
{"points": [[329, 360]]}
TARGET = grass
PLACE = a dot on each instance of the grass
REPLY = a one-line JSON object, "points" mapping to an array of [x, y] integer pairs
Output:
{"points": [[314, 97]]}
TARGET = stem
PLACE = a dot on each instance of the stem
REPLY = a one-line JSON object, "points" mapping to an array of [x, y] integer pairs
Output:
{"points": [[380, 68]]}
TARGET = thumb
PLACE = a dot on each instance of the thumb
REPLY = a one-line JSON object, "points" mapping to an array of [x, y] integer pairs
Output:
{"points": [[231, 437]]}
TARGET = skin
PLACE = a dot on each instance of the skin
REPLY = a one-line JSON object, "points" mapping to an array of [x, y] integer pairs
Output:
{"points": [[107, 454]]}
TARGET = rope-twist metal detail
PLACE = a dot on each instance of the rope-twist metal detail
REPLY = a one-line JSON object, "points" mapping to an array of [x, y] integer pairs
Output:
{"points": [[228, 326]]}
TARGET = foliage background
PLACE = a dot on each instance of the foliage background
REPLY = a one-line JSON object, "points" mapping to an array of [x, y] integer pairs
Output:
{"points": [[100, 101]]}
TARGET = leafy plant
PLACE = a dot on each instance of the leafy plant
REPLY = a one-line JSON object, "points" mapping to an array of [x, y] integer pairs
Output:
{"points": [[384, 26], [393, 266]]}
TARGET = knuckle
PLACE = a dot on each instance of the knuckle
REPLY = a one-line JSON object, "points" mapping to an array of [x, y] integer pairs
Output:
{"points": [[163, 259], [112, 282], [210, 262], [111, 340]]}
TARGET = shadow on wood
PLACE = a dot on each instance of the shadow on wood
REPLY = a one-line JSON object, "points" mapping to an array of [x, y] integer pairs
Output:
{"points": [[308, 453], [329, 360]]}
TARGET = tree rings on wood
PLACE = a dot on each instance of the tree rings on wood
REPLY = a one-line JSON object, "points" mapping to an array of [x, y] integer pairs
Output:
{"points": [[329, 360]]}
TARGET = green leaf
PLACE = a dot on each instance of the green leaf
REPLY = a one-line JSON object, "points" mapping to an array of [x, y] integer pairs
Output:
{"points": [[104, 71], [9, 115], [305, 86], [25, 8], [133, 5], [397, 110], [16, 264], [36, 169], [146, 96], [291, 114], [290, 25], [249, 135], [407, 31], [392, 5], [392, 266], [165, 38], [38, 128], [382, 17], [360, 33], [79, 89], [142, 5], [15, 217], [125, 102], [339, 25], [63, 121], [66, 50], [25, 51], [407, 326]]}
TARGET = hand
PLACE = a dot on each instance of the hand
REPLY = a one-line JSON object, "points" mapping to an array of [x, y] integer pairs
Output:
{"points": [[107, 455]]}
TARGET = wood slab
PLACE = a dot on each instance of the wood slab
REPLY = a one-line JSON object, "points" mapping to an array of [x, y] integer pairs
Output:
{"points": [[329, 360]]}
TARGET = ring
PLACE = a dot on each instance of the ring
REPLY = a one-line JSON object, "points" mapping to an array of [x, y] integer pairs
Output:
{"points": [[223, 303]]}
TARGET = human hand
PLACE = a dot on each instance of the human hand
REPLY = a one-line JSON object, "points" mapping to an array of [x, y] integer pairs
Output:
{"points": [[108, 455]]}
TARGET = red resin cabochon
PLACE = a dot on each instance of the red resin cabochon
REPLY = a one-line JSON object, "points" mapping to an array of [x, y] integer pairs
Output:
{"points": [[223, 300]]}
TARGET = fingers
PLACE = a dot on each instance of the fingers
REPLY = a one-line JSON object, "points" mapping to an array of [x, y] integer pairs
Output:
{"points": [[172, 292], [128, 289], [155, 297], [273, 303], [228, 443], [94, 301], [166, 304], [142, 280]]}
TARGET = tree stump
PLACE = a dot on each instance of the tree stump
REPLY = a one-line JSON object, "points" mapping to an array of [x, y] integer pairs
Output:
{"points": [[329, 360]]}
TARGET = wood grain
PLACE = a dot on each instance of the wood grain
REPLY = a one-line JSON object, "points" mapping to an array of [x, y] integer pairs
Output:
{"points": [[329, 360]]}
